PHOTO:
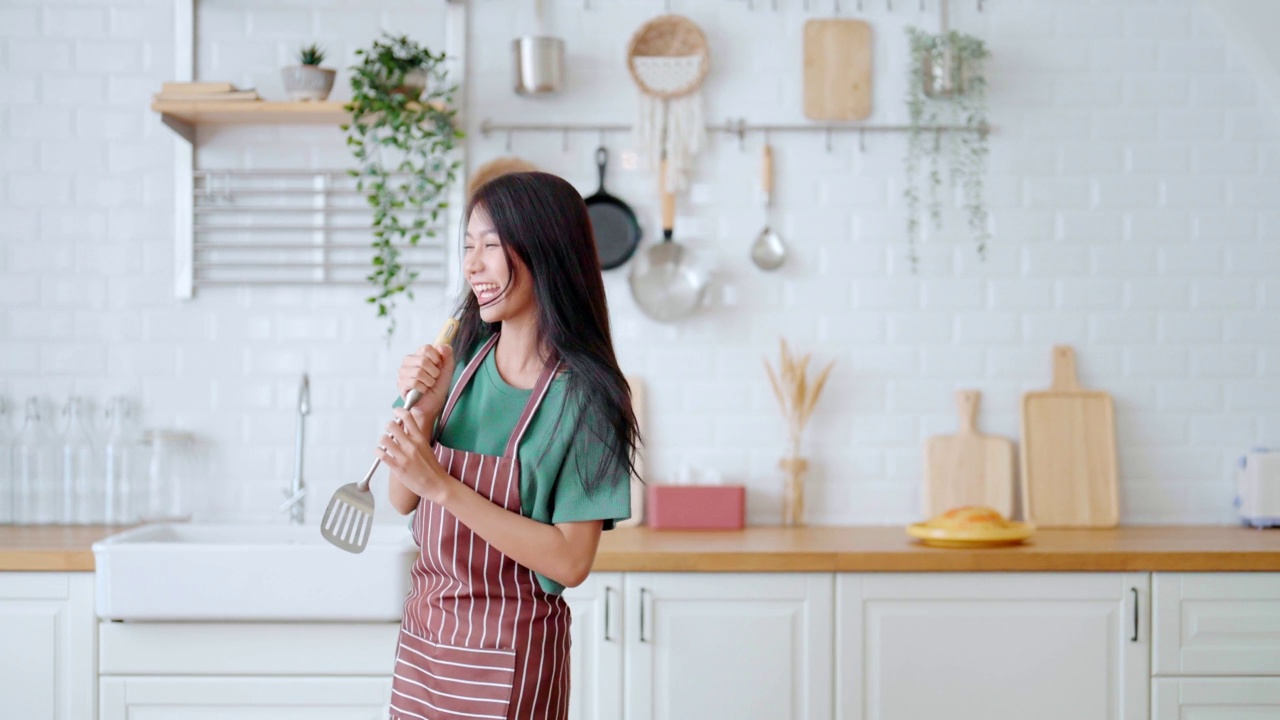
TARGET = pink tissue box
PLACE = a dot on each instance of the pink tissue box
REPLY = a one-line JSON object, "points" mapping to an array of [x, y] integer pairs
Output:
{"points": [[696, 507]]}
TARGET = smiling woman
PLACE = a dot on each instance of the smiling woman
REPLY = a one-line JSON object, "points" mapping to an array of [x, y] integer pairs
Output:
{"points": [[513, 462]]}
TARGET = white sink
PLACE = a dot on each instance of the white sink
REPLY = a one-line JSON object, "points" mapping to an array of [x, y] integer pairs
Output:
{"points": [[182, 571]]}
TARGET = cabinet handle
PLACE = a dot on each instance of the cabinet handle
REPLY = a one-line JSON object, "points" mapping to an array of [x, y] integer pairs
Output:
{"points": [[1134, 637], [608, 604], [644, 636]]}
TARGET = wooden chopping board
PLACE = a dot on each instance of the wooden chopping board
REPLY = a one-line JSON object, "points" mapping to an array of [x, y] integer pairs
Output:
{"points": [[1069, 452], [837, 69], [968, 468]]}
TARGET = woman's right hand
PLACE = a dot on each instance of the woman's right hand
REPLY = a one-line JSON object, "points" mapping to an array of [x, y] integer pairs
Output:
{"points": [[429, 371]]}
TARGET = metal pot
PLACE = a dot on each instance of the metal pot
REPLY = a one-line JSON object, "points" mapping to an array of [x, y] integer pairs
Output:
{"points": [[538, 64]]}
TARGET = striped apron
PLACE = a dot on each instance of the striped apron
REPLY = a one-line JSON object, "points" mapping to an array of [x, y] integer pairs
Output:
{"points": [[479, 637]]}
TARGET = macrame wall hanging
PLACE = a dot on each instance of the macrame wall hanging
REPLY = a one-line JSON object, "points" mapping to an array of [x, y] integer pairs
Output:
{"points": [[668, 58]]}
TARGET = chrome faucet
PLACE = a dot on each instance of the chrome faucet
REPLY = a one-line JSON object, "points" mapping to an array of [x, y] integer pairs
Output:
{"points": [[297, 491]]}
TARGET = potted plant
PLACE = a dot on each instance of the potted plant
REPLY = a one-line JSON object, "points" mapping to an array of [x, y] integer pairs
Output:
{"points": [[402, 136], [307, 80], [946, 86]]}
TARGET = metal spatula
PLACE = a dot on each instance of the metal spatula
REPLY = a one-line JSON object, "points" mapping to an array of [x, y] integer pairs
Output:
{"points": [[349, 517]]}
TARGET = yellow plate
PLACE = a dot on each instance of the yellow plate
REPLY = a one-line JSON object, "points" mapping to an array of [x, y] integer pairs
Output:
{"points": [[1014, 533]]}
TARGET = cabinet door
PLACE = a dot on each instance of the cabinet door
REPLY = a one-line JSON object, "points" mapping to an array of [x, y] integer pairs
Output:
{"points": [[1214, 698], [595, 658], [47, 632], [1050, 646], [218, 698], [1216, 623], [728, 646]]}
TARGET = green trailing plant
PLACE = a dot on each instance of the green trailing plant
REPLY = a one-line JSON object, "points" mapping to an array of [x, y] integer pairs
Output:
{"points": [[311, 55], [402, 135], [961, 103]]}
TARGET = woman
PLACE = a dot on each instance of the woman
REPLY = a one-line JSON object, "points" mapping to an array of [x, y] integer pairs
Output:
{"points": [[513, 474]]}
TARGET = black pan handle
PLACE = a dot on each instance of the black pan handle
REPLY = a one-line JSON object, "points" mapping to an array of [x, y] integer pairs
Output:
{"points": [[602, 161]]}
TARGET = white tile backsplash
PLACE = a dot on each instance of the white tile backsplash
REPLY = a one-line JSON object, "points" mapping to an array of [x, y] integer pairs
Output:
{"points": [[1132, 180]]}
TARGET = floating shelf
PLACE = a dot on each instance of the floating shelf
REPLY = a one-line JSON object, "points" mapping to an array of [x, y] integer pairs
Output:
{"points": [[183, 115]]}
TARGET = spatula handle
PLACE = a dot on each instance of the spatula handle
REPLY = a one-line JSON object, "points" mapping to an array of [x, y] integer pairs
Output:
{"points": [[445, 337]]}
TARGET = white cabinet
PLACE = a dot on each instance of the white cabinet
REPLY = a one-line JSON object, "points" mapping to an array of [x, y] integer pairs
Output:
{"points": [[752, 645], [334, 671], [260, 698], [1214, 698], [47, 635], [595, 657], [1216, 623], [995, 646]]}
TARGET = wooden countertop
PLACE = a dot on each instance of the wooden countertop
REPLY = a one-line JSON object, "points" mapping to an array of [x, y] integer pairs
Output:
{"points": [[54, 548], [815, 549], [890, 549]]}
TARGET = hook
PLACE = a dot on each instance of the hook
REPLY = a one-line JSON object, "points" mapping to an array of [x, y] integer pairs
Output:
{"points": [[508, 141], [742, 133], [862, 140], [564, 141], [859, 5], [775, 5], [979, 5], [828, 138]]}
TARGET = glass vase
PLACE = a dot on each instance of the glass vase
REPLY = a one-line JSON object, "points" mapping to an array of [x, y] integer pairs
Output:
{"points": [[794, 470]]}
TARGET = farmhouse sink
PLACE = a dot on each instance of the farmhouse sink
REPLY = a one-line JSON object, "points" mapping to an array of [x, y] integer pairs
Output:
{"points": [[188, 571]]}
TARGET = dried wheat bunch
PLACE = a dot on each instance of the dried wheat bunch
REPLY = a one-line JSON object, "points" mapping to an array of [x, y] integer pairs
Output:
{"points": [[796, 396]]}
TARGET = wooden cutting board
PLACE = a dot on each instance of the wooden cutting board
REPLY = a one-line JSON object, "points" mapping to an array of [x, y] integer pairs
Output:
{"points": [[968, 468], [837, 69], [1069, 452]]}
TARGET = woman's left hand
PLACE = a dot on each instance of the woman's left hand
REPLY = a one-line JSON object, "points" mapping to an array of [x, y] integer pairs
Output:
{"points": [[407, 451]]}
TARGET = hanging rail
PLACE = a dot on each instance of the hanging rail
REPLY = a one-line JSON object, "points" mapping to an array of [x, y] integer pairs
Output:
{"points": [[739, 128]]}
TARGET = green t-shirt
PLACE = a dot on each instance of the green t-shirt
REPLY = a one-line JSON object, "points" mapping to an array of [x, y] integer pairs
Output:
{"points": [[552, 457]]}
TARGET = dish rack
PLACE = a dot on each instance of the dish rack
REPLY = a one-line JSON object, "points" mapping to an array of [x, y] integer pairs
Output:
{"points": [[290, 227]]}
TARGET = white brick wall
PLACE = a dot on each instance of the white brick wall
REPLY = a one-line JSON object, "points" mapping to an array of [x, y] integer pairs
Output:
{"points": [[1132, 183]]}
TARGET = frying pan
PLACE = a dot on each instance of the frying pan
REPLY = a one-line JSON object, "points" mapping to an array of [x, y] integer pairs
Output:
{"points": [[613, 222], [665, 281]]}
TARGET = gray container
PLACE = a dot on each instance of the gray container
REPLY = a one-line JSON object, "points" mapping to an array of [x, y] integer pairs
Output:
{"points": [[537, 65]]}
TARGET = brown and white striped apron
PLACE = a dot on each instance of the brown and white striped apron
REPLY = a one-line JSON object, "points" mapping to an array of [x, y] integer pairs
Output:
{"points": [[480, 638]]}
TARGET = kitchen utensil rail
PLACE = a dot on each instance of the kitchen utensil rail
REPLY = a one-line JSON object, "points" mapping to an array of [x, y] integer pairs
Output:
{"points": [[739, 128]]}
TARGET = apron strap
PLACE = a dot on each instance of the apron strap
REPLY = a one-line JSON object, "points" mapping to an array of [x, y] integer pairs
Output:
{"points": [[531, 407], [462, 383]]}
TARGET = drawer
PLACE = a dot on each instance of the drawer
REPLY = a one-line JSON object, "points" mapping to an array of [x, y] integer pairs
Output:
{"points": [[1215, 624], [1214, 698]]}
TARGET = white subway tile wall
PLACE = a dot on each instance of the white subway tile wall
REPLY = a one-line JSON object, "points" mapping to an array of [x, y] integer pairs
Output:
{"points": [[1132, 186]]}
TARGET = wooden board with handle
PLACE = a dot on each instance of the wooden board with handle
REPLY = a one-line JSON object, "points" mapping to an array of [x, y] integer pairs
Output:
{"points": [[968, 468], [837, 69], [1069, 452]]}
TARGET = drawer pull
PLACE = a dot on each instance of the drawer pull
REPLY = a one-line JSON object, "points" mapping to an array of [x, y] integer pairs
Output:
{"points": [[608, 604], [1134, 637]]}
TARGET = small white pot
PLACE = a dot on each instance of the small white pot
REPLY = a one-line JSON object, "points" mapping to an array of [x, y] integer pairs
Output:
{"points": [[307, 82]]}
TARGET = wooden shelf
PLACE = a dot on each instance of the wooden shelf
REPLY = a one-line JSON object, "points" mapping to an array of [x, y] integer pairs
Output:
{"points": [[183, 115]]}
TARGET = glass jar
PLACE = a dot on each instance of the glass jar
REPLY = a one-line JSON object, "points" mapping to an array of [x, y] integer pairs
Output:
{"points": [[35, 481], [123, 467], [170, 477]]}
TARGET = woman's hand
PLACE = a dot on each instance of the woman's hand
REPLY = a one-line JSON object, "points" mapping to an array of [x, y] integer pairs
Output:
{"points": [[407, 452], [428, 370]]}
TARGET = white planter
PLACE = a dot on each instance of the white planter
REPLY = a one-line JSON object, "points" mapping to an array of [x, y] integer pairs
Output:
{"points": [[307, 82]]}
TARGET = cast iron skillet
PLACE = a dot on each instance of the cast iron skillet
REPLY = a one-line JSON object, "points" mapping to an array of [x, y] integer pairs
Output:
{"points": [[613, 222]]}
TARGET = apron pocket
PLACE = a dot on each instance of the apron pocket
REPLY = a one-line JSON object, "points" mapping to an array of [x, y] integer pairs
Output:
{"points": [[436, 680]]}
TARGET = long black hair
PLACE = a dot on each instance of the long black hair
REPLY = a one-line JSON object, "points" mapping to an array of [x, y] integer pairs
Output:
{"points": [[543, 220]]}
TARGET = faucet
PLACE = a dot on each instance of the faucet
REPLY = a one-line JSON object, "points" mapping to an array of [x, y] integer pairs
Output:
{"points": [[297, 491]]}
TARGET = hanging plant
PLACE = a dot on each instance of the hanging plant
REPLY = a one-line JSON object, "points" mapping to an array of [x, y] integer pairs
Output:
{"points": [[946, 86], [402, 136]]}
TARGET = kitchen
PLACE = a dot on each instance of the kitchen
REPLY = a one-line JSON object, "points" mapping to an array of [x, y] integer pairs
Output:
{"points": [[1129, 189]]}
